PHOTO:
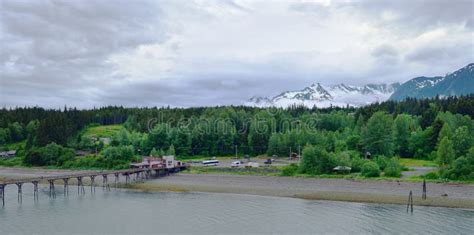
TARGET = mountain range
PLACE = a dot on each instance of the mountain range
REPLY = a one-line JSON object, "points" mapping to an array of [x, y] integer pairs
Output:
{"points": [[460, 82]]}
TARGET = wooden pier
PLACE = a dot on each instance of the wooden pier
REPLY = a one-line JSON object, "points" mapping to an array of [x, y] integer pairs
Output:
{"points": [[139, 174]]}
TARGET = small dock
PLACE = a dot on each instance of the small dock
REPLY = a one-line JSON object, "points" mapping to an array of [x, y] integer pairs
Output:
{"points": [[136, 174]]}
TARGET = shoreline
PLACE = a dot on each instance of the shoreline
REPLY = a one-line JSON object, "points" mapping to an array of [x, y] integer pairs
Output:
{"points": [[459, 196], [349, 190]]}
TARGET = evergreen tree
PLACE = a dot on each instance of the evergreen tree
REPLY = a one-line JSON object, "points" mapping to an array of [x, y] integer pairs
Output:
{"points": [[171, 151], [259, 133], [435, 130], [402, 133], [5, 136], [445, 132], [157, 138], [463, 140], [445, 153], [154, 153], [274, 144], [377, 135], [16, 131]]}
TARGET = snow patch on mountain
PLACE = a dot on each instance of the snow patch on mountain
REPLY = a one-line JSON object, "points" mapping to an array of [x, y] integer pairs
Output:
{"points": [[258, 101], [340, 95]]}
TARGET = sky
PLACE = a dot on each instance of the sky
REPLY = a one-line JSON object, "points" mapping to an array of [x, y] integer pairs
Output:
{"points": [[184, 53]]}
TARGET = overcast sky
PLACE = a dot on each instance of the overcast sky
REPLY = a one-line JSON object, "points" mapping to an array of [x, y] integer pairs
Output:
{"points": [[195, 53]]}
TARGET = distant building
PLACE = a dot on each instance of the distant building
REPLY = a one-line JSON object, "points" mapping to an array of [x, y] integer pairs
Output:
{"points": [[148, 162], [168, 162], [8, 154]]}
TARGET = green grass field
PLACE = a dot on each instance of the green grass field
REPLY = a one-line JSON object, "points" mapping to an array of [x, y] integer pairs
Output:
{"points": [[409, 162], [102, 131]]}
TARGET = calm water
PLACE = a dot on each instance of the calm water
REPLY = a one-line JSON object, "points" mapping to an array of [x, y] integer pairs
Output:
{"points": [[133, 212]]}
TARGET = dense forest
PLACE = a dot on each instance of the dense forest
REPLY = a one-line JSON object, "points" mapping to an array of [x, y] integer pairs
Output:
{"points": [[436, 129]]}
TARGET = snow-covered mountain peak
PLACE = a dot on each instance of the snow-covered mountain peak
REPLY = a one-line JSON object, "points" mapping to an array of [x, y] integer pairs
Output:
{"points": [[344, 88], [259, 101], [460, 82], [313, 92], [336, 95]]}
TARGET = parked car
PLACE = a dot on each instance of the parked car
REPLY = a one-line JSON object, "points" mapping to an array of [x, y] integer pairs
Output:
{"points": [[268, 161], [236, 164]]}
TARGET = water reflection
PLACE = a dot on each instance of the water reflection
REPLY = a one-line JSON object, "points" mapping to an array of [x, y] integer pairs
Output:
{"points": [[132, 212]]}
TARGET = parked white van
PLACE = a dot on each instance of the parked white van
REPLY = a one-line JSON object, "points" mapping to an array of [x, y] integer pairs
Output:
{"points": [[236, 164]]}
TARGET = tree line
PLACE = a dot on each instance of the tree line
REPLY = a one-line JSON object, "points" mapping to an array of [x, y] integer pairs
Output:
{"points": [[436, 128]]}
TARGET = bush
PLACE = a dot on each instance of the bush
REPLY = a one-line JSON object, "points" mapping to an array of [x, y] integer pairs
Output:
{"points": [[393, 168], [290, 170], [460, 169], [51, 154], [382, 161], [343, 159], [370, 169], [431, 176], [123, 153], [315, 161], [357, 163]]}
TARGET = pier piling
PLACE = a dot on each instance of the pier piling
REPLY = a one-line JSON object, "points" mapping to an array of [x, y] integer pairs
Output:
{"points": [[127, 178], [66, 186], [20, 193], [410, 202], [117, 175], [92, 183], [105, 182], [80, 186], [35, 190], [2, 193], [52, 191], [424, 190]]}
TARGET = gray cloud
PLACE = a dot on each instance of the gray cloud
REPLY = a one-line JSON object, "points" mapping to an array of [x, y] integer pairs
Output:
{"points": [[416, 14], [54, 48], [435, 54], [192, 53]]}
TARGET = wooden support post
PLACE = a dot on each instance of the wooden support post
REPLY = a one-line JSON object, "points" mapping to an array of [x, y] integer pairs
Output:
{"points": [[66, 186], [105, 182], [117, 175], [127, 178], [80, 186], [20, 193], [2, 193], [35, 190], [52, 191], [92, 183], [410, 202], [424, 190]]}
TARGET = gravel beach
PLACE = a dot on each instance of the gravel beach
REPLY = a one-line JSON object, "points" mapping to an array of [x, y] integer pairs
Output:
{"points": [[371, 191], [458, 195]]}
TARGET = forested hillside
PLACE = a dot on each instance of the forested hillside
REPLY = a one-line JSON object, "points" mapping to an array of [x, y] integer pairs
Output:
{"points": [[436, 129]]}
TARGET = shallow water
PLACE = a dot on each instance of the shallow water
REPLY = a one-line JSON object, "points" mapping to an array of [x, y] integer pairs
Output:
{"points": [[132, 212]]}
